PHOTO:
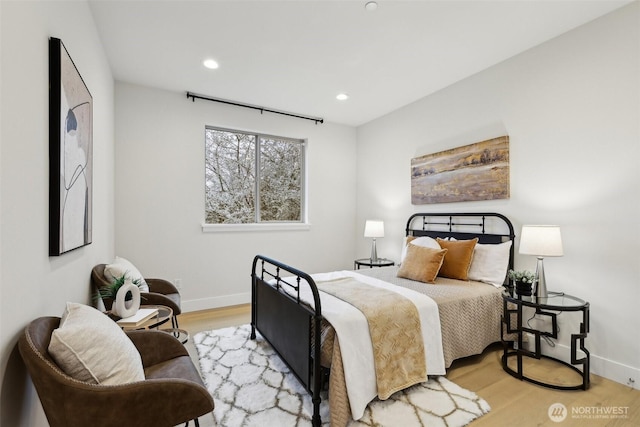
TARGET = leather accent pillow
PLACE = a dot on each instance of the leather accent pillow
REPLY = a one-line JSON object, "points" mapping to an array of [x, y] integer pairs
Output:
{"points": [[421, 263], [458, 260], [120, 267], [424, 241], [90, 347]]}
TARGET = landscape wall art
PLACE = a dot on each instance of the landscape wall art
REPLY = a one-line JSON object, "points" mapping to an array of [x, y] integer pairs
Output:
{"points": [[478, 171]]}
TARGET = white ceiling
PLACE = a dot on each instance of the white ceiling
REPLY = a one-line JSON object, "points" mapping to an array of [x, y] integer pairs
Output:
{"points": [[298, 55]]}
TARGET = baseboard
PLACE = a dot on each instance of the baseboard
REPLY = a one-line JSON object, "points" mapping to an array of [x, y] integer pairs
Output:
{"points": [[616, 371], [606, 368], [216, 302]]}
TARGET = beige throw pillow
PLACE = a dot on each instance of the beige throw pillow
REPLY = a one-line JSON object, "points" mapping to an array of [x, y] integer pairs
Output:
{"points": [[90, 347], [458, 260], [421, 263]]}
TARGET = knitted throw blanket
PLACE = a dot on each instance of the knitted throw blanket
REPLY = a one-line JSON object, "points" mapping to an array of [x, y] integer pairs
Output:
{"points": [[394, 326]]}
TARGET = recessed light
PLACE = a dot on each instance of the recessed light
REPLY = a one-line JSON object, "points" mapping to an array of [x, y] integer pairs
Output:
{"points": [[371, 6], [211, 64], [342, 97]]}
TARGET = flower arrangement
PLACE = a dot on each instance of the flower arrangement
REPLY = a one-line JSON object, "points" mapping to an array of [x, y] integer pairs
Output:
{"points": [[522, 276]]}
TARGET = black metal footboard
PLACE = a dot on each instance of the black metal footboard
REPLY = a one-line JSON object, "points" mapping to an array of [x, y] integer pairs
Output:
{"points": [[287, 323]]}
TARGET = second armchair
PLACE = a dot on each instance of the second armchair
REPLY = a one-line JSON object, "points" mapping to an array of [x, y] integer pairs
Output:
{"points": [[161, 292]]}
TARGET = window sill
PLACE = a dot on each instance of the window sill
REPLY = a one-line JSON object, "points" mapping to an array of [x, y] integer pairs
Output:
{"points": [[233, 228]]}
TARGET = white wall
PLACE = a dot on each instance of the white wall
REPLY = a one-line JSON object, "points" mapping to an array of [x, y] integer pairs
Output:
{"points": [[32, 283], [571, 110], [160, 196], [569, 106]]}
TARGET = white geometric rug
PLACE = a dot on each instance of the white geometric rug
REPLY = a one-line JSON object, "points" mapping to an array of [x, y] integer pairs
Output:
{"points": [[251, 386]]}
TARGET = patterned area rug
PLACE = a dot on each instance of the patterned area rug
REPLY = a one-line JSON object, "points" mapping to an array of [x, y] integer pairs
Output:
{"points": [[251, 386]]}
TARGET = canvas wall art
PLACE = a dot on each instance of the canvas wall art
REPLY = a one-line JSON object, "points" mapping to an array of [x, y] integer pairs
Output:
{"points": [[70, 153], [472, 172]]}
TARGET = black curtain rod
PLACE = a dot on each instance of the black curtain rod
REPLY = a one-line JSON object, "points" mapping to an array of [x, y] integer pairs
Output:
{"points": [[195, 96]]}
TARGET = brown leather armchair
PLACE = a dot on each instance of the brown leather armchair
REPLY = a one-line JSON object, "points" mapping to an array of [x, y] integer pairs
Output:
{"points": [[171, 394], [161, 292]]}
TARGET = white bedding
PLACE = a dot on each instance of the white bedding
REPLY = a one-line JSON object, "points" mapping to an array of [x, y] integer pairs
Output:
{"points": [[355, 343]]}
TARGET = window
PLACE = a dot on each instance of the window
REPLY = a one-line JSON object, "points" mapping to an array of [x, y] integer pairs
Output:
{"points": [[253, 178]]}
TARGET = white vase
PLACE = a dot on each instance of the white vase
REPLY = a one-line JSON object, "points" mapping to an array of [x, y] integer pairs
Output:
{"points": [[124, 308]]}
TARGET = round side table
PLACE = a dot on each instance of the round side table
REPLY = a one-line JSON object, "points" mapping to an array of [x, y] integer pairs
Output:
{"points": [[367, 262]]}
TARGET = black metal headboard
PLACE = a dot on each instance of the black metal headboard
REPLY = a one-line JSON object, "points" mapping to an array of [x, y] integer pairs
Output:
{"points": [[489, 228]]}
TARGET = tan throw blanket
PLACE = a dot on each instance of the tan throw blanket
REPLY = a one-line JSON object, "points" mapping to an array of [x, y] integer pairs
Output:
{"points": [[394, 326]]}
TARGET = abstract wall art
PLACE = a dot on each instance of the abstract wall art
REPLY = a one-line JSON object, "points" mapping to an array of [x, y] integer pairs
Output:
{"points": [[70, 153], [472, 172]]}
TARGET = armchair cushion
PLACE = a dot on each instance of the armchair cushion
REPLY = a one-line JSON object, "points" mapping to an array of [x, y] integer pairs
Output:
{"points": [[121, 266], [92, 348]]}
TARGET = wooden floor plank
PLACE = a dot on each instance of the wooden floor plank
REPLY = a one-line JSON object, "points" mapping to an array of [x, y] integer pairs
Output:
{"points": [[513, 402]]}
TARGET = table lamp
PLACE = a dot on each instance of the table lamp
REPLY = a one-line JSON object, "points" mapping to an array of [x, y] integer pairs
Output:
{"points": [[541, 241], [374, 229]]}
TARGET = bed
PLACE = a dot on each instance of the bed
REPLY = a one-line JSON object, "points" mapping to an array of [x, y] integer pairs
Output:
{"points": [[287, 307]]}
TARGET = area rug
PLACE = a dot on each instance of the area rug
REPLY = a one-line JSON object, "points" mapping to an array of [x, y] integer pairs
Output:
{"points": [[251, 386]]}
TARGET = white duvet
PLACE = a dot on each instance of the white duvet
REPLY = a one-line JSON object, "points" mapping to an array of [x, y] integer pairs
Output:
{"points": [[352, 332]]}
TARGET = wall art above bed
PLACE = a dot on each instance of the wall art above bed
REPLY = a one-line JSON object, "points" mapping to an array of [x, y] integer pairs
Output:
{"points": [[472, 172]]}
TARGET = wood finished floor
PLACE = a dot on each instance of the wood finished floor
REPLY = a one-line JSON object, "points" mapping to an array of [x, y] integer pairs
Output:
{"points": [[513, 402]]}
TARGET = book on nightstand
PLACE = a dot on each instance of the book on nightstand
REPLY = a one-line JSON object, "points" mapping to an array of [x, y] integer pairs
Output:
{"points": [[139, 318]]}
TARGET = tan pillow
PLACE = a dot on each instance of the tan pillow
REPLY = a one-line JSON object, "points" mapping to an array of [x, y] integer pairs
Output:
{"points": [[91, 347], [424, 241], [421, 264], [458, 260]]}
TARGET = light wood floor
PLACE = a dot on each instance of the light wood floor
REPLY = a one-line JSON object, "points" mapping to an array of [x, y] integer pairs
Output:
{"points": [[513, 402]]}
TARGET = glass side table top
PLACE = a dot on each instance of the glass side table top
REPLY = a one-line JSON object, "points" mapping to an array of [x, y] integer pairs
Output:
{"points": [[380, 262], [558, 300]]}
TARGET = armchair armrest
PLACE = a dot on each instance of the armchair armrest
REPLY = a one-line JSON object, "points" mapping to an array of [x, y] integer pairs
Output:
{"points": [[152, 298], [167, 401], [156, 346], [161, 286]]}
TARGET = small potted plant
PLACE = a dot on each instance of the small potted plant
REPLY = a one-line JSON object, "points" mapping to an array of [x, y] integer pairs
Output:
{"points": [[524, 281], [109, 293]]}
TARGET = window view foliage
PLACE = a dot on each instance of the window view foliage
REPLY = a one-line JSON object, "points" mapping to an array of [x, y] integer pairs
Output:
{"points": [[252, 178]]}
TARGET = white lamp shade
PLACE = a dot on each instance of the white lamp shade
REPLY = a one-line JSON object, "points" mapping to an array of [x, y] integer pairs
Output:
{"points": [[373, 228], [541, 240]]}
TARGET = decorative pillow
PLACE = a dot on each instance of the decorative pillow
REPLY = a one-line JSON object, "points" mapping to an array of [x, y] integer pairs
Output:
{"points": [[422, 264], [121, 266], [91, 347], [458, 260], [424, 241], [490, 263]]}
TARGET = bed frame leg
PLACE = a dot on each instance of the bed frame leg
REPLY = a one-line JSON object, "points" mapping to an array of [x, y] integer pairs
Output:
{"points": [[315, 420]]}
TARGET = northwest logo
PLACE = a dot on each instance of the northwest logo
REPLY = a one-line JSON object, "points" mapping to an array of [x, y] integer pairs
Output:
{"points": [[557, 412]]}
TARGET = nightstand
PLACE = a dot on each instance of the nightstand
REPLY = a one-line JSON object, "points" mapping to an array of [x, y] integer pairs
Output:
{"points": [[552, 306], [366, 262]]}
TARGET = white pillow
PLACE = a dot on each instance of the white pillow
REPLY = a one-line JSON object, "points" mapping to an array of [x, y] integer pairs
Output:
{"points": [[120, 267], [424, 241], [490, 262], [91, 347]]}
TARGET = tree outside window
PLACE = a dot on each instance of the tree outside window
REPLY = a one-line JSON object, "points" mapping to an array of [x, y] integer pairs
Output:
{"points": [[252, 178]]}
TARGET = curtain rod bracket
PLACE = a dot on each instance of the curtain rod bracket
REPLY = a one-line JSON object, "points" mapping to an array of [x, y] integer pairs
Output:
{"points": [[193, 97]]}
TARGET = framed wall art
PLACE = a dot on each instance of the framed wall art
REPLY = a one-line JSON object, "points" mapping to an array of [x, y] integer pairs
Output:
{"points": [[472, 172], [70, 153]]}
